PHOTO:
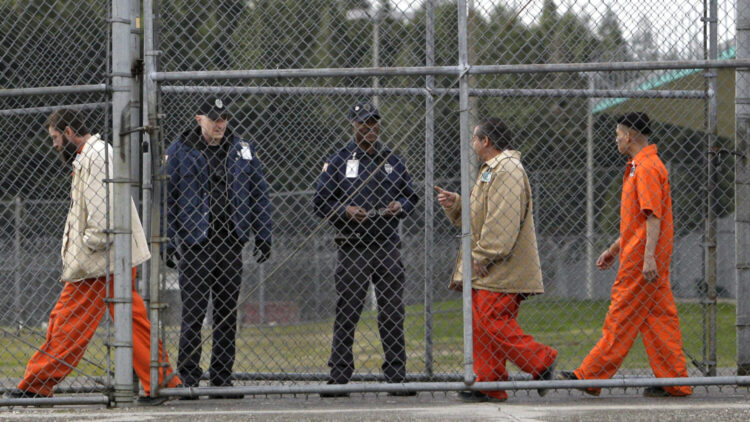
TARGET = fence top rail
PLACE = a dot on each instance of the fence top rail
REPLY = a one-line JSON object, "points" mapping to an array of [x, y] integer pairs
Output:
{"points": [[290, 90], [50, 109], [52, 90], [449, 70]]}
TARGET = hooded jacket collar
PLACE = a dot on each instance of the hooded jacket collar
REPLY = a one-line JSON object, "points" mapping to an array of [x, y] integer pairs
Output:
{"points": [[508, 153]]}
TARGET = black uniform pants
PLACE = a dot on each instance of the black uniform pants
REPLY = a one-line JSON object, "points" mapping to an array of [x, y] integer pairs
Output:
{"points": [[211, 270], [379, 263]]}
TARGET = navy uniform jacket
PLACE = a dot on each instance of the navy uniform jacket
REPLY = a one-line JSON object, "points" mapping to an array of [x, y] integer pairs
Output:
{"points": [[189, 199], [390, 183]]}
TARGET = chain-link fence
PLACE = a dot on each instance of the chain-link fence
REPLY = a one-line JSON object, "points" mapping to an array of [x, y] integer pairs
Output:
{"points": [[319, 129], [54, 54]]}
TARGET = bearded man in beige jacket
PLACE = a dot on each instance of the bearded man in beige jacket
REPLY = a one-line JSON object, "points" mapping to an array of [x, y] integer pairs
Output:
{"points": [[505, 262], [75, 317]]}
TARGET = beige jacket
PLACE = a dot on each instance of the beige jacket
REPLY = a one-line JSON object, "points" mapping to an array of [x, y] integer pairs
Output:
{"points": [[502, 228], [84, 242]]}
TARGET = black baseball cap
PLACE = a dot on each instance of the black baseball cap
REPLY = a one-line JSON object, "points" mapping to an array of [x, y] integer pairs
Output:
{"points": [[214, 107], [636, 120], [363, 111]]}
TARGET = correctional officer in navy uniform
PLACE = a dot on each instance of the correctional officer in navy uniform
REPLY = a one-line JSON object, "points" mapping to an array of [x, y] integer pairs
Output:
{"points": [[365, 190], [217, 201]]}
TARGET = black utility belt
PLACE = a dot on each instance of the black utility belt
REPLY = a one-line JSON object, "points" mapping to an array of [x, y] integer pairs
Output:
{"points": [[356, 240]]}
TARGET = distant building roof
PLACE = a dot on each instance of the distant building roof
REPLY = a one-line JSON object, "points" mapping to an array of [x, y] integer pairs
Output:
{"points": [[654, 82]]}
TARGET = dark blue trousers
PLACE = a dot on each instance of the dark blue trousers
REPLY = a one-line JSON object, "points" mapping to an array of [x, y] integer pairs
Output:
{"points": [[358, 266], [211, 270]]}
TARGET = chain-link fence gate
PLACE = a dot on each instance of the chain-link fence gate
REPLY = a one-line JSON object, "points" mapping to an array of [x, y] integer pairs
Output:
{"points": [[557, 73]]}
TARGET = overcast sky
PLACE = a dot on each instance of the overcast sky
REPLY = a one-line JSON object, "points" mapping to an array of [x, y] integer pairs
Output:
{"points": [[676, 24]]}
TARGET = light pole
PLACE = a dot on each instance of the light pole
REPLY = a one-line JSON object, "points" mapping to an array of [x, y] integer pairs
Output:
{"points": [[376, 16]]}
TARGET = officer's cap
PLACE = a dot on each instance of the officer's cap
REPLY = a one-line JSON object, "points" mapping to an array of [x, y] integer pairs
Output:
{"points": [[363, 111], [636, 120], [214, 107]]}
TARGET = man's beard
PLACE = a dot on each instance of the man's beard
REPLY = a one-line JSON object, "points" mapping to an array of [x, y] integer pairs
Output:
{"points": [[68, 153]]}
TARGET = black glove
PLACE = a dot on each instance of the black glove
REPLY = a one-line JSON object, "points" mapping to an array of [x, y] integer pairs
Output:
{"points": [[172, 256], [262, 251]]}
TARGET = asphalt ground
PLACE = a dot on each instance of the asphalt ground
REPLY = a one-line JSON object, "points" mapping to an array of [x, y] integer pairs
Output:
{"points": [[707, 404]]}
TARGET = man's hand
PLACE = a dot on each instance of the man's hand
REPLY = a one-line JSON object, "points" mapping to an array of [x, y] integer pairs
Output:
{"points": [[445, 199], [479, 269], [262, 251], [356, 213], [172, 257], [606, 259], [394, 208], [650, 273]]}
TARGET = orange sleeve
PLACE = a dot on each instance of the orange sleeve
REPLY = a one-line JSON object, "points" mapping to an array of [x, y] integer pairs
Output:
{"points": [[650, 191]]}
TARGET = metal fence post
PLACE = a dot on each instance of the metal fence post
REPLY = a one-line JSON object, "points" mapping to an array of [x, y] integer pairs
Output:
{"points": [[463, 57], [261, 295], [123, 321], [152, 188], [590, 193], [135, 121], [136, 111], [742, 189], [17, 279], [429, 181], [712, 118]]}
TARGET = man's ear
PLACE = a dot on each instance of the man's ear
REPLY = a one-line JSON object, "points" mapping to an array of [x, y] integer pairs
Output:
{"points": [[68, 132]]}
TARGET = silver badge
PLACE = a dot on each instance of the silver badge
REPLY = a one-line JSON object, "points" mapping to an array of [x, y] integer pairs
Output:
{"points": [[356, 108], [388, 168], [218, 103]]}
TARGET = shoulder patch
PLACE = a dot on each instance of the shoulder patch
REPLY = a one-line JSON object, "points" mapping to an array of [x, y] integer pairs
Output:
{"points": [[325, 168]]}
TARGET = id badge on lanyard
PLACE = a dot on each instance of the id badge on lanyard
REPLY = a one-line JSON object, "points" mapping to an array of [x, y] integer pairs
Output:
{"points": [[352, 167]]}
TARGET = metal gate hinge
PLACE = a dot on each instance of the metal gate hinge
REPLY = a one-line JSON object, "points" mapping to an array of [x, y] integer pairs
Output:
{"points": [[137, 68], [721, 151]]}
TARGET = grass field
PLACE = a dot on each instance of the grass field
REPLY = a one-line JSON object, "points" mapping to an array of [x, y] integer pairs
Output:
{"points": [[572, 327]]}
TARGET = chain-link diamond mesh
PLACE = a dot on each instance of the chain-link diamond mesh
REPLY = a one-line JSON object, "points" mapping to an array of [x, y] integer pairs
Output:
{"points": [[361, 253], [44, 44], [294, 133]]}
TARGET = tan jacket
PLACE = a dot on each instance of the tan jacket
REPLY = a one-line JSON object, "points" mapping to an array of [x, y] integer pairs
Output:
{"points": [[502, 228], [84, 241]]}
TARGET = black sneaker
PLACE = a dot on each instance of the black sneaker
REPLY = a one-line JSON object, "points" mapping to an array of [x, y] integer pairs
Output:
{"points": [[571, 376], [655, 392], [152, 401], [229, 396], [546, 375], [188, 398], [402, 393], [331, 394], [23, 394], [477, 397]]}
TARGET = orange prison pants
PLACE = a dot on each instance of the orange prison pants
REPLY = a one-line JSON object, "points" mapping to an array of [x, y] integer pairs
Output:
{"points": [[498, 338], [72, 324], [648, 308]]}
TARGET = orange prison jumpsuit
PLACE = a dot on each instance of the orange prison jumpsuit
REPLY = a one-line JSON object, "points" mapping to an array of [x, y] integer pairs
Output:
{"points": [[498, 338], [72, 324], [636, 305]]}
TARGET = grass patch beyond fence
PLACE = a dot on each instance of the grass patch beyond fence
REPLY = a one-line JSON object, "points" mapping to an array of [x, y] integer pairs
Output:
{"points": [[572, 327]]}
